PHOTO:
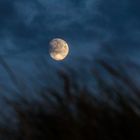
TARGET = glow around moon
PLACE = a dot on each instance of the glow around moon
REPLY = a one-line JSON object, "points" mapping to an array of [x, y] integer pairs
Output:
{"points": [[58, 49]]}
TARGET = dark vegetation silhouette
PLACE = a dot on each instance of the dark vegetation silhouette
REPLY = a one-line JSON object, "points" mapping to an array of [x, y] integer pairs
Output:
{"points": [[77, 113]]}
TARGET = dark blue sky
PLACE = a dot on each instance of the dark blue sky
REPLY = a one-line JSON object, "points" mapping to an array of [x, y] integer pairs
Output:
{"points": [[26, 27]]}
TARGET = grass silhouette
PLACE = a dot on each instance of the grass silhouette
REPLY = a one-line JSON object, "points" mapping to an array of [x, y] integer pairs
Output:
{"points": [[76, 113]]}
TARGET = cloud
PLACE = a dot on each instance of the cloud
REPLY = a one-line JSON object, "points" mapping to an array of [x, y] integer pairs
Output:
{"points": [[29, 24]]}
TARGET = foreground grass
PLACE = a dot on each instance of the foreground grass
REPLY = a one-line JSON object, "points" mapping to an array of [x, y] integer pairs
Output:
{"points": [[76, 113]]}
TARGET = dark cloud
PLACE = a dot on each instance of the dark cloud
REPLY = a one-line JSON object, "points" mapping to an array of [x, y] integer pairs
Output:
{"points": [[29, 24]]}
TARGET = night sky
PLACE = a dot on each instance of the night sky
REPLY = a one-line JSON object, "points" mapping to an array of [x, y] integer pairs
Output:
{"points": [[27, 26]]}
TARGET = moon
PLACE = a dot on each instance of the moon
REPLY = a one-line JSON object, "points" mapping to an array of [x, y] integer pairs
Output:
{"points": [[59, 49]]}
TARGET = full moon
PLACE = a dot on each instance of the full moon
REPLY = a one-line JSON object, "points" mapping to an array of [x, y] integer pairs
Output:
{"points": [[58, 49]]}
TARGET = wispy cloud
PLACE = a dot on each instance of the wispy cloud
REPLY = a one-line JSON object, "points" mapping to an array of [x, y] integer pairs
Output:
{"points": [[29, 24]]}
